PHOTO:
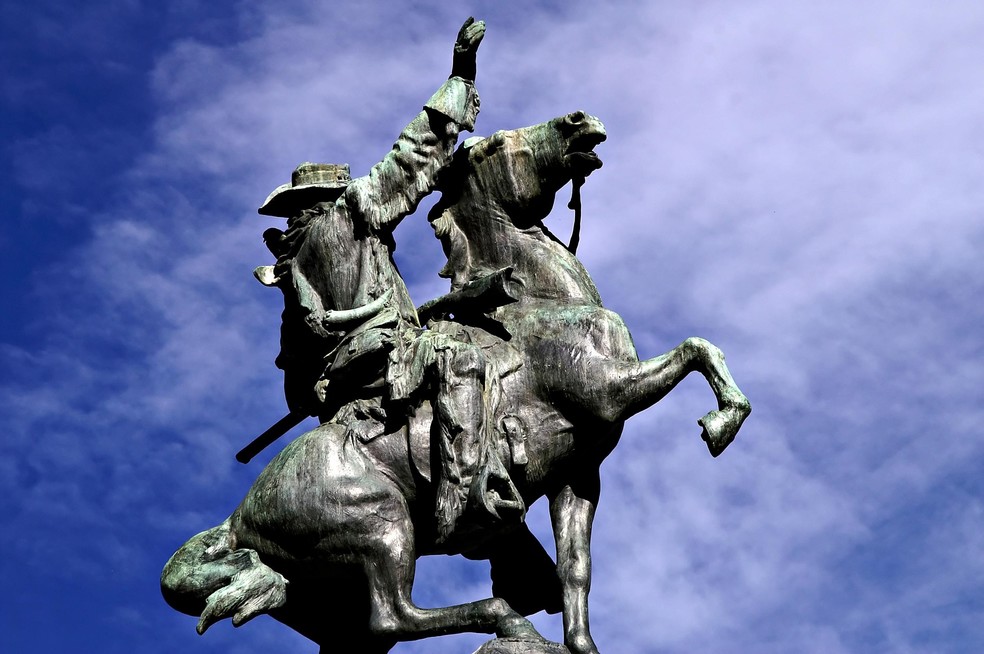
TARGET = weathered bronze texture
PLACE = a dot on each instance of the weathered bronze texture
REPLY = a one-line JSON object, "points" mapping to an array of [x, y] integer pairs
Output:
{"points": [[436, 437]]}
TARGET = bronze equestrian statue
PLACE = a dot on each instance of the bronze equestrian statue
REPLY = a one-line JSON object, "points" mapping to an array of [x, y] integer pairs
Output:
{"points": [[439, 426]]}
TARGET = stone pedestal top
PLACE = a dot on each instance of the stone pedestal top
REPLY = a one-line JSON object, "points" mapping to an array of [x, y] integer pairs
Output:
{"points": [[519, 646]]}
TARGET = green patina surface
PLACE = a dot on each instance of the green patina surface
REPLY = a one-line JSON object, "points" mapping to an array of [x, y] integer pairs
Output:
{"points": [[439, 426]]}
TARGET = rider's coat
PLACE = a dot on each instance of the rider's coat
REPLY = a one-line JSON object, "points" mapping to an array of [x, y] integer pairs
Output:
{"points": [[345, 255], [341, 258]]}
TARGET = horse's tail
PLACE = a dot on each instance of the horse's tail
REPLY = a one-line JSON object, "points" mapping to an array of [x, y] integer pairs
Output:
{"points": [[210, 579]]}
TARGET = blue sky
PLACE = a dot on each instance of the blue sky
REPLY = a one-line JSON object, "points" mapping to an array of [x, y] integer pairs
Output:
{"points": [[800, 183]]}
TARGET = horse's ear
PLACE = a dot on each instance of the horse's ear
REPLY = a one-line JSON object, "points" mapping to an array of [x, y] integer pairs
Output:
{"points": [[265, 275], [478, 148]]}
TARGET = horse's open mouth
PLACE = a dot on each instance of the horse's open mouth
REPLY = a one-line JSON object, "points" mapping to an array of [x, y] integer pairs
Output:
{"points": [[580, 156]]}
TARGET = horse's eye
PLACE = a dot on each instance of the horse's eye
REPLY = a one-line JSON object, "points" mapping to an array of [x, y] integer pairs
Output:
{"points": [[577, 117]]}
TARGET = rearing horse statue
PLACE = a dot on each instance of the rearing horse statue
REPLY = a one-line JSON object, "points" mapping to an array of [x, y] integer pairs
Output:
{"points": [[579, 357], [326, 539]]}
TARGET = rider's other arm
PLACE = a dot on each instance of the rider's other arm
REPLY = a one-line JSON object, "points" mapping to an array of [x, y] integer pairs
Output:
{"points": [[396, 185]]}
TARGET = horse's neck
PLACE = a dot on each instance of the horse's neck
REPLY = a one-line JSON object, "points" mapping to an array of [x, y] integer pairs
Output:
{"points": [[544, 265]]}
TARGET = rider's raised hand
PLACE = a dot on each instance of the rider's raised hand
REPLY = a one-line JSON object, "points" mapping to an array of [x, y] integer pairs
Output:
{"points": [[465, 48]]}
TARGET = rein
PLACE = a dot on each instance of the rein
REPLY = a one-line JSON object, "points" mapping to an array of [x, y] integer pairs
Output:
{"points": [[575, 204]]}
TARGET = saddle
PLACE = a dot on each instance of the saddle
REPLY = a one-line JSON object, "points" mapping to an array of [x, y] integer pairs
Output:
{"points": [[392, 366]]}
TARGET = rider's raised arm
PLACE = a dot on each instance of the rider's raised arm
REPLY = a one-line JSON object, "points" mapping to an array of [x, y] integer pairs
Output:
{"points": [[396, 185]]}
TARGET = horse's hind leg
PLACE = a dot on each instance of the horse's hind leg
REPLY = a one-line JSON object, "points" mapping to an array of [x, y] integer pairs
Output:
{"points": [[616, 390], [210, 579], [394, 617]]}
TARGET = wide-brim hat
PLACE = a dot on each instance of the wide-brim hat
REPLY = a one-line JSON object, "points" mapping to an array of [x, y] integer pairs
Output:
{"points": [[310, 183]]}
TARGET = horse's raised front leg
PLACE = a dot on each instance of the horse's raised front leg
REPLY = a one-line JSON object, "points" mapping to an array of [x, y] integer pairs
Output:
{"points": [[572, 513], [616, 390], [721, 426]]}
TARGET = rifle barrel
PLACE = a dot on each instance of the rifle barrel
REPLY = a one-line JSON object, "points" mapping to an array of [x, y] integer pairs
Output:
{"points": [[278, 429]]}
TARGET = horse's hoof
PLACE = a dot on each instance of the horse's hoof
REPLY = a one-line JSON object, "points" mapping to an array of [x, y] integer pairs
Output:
{"points": [[253, 591], [721, 427], [516, 627], [582, 644]]}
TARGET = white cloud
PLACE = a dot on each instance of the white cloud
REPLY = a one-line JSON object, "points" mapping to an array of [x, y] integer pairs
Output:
{"points": [[799, 184]]}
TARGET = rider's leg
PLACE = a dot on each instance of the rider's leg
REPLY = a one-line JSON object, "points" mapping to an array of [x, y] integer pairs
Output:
{"points": [[483, 487], [460, 405], [462, 396]]}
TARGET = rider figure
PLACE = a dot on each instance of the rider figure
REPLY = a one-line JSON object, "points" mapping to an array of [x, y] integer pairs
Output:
{"points": [[349, 321]]}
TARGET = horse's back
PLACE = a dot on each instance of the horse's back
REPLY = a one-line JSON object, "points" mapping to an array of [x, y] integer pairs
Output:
{"points": [[551, 329]]}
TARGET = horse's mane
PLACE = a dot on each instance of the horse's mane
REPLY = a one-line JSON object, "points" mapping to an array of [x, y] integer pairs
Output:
{"points": [[451, 183]]}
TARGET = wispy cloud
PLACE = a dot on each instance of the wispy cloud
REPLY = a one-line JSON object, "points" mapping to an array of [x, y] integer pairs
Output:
{"points": [[799, 184]]}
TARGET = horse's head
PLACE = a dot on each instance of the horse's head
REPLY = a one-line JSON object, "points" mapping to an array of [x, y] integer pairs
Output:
{"points": [[521, 170], [512, 178]]}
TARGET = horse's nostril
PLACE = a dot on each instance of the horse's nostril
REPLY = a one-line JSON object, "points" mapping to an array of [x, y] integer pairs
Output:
{"points": [[576, 117]]}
